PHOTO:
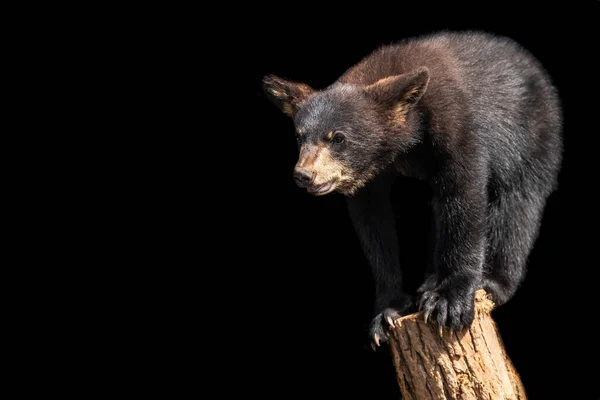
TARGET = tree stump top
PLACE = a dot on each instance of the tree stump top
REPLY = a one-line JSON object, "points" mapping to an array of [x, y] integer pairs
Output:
{"points": [[436, 363]]}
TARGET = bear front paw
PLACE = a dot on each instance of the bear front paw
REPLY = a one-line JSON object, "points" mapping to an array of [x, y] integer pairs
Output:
{"points": [[448, 305], [382, 323], [380, 326]]}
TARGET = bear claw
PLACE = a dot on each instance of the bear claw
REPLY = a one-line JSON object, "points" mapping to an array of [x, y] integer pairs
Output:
{"points": [[390, 321], [382, 323]]}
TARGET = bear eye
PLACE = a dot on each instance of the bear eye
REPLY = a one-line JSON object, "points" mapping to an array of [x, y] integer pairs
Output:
{"points": [[338, 137]]}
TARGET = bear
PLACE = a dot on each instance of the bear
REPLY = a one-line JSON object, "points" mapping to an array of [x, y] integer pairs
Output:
{"points": [[475, 116]]}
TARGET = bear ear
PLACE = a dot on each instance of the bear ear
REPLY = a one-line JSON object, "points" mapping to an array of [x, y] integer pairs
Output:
{"points": [[286, 95], [400, 92]]}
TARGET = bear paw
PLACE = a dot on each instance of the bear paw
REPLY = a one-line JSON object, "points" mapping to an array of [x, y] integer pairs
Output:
{"points": [[448, 304], [382, 323]]}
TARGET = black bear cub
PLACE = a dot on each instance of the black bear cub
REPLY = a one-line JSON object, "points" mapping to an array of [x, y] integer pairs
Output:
{"points": [[472, 114]]}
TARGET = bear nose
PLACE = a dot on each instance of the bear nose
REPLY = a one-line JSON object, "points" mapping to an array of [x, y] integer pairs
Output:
{"points": [[303, 176]]}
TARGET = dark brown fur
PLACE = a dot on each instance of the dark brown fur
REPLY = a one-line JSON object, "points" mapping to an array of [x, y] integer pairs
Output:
{"points": [[473, 115]]}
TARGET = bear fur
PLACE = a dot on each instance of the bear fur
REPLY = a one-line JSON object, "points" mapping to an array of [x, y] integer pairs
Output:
{"points": [[472, 114]]}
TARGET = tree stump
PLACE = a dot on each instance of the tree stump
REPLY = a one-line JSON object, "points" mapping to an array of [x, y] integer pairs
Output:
{"points": [[471, 364]]}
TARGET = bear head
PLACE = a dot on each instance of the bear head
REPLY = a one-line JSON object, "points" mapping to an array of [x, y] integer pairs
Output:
{"points": [[348, 133]]}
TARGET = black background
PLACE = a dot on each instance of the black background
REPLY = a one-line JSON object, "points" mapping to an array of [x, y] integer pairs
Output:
{"points": [[291, 300], [312, 286], [206, 266]]}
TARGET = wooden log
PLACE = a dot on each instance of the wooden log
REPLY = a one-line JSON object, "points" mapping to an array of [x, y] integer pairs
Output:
{"points": [[471, 364]]}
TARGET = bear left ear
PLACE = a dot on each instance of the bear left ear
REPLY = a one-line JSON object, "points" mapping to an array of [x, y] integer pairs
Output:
{"points": [[400, 92], [286, 95]]}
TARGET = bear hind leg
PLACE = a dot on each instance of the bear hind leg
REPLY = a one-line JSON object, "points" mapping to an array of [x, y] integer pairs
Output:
{"points": [[513, 224]]}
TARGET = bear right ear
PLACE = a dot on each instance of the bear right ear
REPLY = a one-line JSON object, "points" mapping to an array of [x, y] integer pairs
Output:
{"points": [[286, 95]]}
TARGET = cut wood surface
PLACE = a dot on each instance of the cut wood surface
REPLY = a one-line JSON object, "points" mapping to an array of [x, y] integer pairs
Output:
{"points": [[470, 364]]}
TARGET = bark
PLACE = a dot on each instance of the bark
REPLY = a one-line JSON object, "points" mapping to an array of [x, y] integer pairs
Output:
{"points": [[471, 364]]}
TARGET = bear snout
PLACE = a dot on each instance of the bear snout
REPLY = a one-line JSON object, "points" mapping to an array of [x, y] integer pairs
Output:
{"points": [[303, 176]]}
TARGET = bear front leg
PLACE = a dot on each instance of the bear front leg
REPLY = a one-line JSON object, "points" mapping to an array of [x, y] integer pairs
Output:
{"points": [[373, 219], [448, 294]]}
